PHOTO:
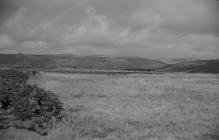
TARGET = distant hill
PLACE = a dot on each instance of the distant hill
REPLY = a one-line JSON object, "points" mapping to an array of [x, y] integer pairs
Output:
{"points": [[62, 61], [177, 60], [26, 61], [74, 62], [201, 66]]}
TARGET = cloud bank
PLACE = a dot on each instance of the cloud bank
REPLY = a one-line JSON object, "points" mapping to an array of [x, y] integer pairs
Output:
{"points": [[146, 28]]}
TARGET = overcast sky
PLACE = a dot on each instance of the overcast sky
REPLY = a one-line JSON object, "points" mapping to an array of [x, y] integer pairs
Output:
{"points": [[145, 28]]}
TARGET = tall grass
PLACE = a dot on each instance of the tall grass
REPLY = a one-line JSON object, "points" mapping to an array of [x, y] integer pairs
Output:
{"points": [[132, 107]]}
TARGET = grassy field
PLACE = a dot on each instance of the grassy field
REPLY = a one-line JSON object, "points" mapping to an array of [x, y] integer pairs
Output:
{"points": [[131, 107], [136, 107]]}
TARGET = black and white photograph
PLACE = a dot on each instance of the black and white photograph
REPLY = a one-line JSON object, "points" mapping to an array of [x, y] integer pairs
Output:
{"points": [[109, 69]]}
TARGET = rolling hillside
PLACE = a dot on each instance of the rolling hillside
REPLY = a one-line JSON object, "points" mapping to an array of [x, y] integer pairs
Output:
{"points": [[177, 60], [74, 62], [62, 61], [202, 66], [26, 61]]}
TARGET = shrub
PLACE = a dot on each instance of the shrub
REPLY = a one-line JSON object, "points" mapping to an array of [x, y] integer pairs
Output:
{"points": [[28, 102], [36, 102], [11, 81]]}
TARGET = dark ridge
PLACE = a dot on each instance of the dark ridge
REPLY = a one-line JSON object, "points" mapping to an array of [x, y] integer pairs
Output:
{"points": [[59, 61], [67, 62], [202, 66]]}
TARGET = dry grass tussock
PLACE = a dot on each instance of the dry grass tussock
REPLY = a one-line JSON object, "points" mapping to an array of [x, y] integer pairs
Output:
{"points": [[136, 107]]}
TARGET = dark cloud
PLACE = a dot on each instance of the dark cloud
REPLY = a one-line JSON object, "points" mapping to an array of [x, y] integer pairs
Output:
{"points": [[7, 8], [148, 28]]}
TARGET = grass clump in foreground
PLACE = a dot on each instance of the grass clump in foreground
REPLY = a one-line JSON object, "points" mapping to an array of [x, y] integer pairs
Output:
{"points": [[26, 106]]}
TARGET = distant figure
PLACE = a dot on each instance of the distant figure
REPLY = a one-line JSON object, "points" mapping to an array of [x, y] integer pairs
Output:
{"points": [[34, 76], [34, 73]]}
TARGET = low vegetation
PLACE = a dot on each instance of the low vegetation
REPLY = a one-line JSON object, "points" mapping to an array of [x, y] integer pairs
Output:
{"points": [[26, 106], [136, 107], [175, 106]]}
